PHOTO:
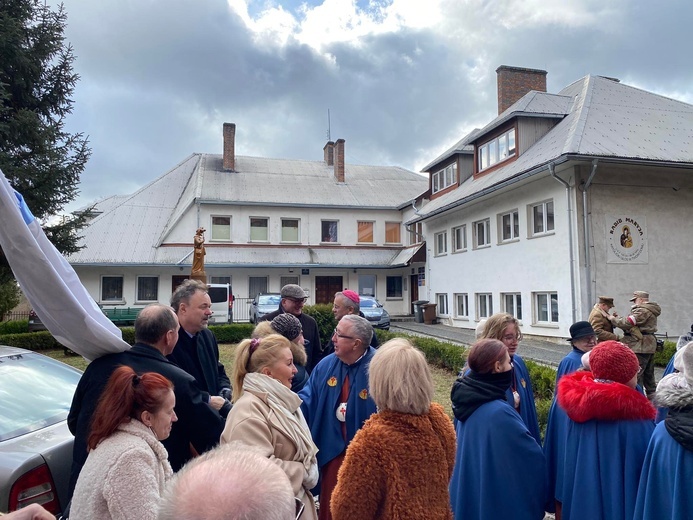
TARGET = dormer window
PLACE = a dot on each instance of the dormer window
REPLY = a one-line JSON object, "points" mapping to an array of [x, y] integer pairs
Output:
{"points": [[497, 150], [444, 178]]}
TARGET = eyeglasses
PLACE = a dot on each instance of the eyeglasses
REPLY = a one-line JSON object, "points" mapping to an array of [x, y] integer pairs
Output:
{"points": [[296, 300], [511, 337], [335, 333], [300, 506]]}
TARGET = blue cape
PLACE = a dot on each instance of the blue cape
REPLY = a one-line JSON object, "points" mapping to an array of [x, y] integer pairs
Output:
{"points": [[603, 461], [321, 397], [556, 429], [499, 467], [665, 481], [662, 411]]}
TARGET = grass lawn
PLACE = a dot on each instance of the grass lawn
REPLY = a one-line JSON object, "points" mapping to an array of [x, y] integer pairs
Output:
{"points": [[442, 379]]}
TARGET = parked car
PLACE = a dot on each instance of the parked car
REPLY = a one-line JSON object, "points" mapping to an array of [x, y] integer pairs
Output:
{"points": [[35, 322], [264, 304], [375, 313], [35, 444]]}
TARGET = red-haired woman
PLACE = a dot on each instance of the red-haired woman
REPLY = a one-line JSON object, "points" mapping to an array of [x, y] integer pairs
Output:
{"points": [[127, 466]]}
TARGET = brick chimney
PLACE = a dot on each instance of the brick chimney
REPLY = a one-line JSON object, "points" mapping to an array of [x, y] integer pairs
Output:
{"points": [[515, 82], [229, 146], [339, 160], [328, 150]]}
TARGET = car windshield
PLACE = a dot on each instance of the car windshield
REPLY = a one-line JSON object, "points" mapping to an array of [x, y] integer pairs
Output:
{"points": [[368, 303], [35, 392], [269, 299]]}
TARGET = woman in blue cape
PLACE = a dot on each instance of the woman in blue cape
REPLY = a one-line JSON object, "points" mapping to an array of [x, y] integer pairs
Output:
{"points": [[582, 339], [520, 394], [667, 473], [610, 427], [500, 471]]}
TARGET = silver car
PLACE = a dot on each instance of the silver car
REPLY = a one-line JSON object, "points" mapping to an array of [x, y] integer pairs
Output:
{"points": [[264, 304], [35, 443], [374, 312]]}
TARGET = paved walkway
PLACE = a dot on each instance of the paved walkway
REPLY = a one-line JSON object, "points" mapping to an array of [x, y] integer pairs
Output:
{"points": [[540, 350]]}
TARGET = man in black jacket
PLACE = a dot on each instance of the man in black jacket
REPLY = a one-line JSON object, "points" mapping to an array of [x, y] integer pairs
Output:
{"points": [[293, 299], [156, 333], [197, 351]]}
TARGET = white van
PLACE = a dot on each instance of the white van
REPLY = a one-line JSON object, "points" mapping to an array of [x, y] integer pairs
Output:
{"points": [[222, 300]]}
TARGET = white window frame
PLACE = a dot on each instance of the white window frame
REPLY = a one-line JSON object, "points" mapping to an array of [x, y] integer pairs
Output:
{"points": [[250, 229], [399, 231], [442, 304], [444, 178], [551, 301], [372, 223], [487, 298], [514, 219], [497, 150], [441, 243], [393, 295], [486, 226], [336, 221], [213, 238], [137, 289], [458, 231], [122, 289], [512, 304], [461, 305], [365, 283], [545, 223], [416, 233], [298, 230]]}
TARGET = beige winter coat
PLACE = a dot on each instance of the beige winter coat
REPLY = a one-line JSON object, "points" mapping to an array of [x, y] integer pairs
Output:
{"points": [[250, 422], [601, 325], [123, 478], [644, 317]]}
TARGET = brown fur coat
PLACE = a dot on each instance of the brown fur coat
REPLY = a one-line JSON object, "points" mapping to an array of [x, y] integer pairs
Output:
{"points": [[398, 466]]}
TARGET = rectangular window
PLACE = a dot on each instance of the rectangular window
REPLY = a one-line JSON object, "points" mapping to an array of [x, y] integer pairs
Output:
{"points": [[290, 230], [394, 286], [365, 231], [147, 288], [256, 285], [220, 279], [259, 229], [541, 216], [441, 243], [415, 233], [221, 228], [444, 178], [512, 304], [482, 233], [459, 238], [462, 305], [392, 233], [496, 150], [367, 285], [484, 305], [546, 307], [442, 301], [285, 280], [509, 226], [330, 230], [111, 288]]}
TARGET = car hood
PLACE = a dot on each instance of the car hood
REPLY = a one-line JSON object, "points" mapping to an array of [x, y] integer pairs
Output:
{"points": [[373, 312]]}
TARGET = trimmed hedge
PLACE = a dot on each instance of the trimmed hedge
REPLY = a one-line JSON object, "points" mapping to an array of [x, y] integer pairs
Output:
{"points": [[14, 327], [662, 358], [41, 340], [322, 314]]}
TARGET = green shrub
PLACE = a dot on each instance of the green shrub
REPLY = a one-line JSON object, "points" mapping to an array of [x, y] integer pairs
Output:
{"points": [[322, 314], [14, 327], [234, 333], [41, 340], [128, 335], [543, 379], [662, 358], [543, 406]]}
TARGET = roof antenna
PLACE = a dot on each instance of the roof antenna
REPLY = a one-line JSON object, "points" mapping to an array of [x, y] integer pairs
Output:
{"points": [[328, 126]]}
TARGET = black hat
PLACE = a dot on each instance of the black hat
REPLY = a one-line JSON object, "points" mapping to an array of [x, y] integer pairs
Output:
{"points": [[581, 329]]}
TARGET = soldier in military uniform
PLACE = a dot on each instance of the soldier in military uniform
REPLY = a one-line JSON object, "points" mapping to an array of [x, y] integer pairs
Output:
{"points": [[600, 320]]}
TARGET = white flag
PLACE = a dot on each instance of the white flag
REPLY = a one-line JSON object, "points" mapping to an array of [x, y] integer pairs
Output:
{"points": [[51, 284]]}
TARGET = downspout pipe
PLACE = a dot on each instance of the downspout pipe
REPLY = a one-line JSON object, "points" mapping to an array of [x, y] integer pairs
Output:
{"points": [[552, 171], [586, 231]]}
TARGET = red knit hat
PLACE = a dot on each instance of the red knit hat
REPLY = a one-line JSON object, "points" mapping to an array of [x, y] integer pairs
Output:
{"points": [[614, 361]]}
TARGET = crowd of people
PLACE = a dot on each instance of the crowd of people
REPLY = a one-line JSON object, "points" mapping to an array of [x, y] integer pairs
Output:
{"points": [[350, 431]]}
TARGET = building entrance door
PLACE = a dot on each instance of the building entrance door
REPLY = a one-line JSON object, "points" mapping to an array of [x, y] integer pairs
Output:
{"points": [[326, 287], [414, 284]]}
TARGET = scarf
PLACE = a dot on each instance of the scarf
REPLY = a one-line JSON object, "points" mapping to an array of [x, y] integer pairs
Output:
{"points": [[470, 392], [286, 414]]}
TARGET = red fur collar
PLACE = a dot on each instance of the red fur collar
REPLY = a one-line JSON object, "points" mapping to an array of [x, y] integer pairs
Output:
{"points": [[584, 399]]}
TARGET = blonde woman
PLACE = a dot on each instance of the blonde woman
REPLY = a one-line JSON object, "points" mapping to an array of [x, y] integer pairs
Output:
{"points": [[290, 327], [400, 463], [267, 414]]}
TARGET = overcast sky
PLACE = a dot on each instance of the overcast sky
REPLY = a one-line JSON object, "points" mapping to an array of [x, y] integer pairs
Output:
{"points": [[403, 79]]}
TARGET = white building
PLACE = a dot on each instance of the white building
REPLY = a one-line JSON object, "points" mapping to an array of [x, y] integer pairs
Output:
{"points": [[324, 225], [527, 214]]}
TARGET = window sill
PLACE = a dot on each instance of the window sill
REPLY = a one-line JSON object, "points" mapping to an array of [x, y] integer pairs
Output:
{"points": [[366, 244], [293, 242], [459, 251], [509, 241], [546, 325], [145, 302], [112, 302], [485, 246], [258, 241], [398, 244], [440, 254], [540, 235], [394, 298], [461, 318], [329, 243], [220, 240]]}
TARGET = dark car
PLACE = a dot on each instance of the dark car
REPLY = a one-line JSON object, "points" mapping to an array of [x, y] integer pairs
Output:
{"points": [[264, 304], [35, 444], [35, 322], [375, 313]]}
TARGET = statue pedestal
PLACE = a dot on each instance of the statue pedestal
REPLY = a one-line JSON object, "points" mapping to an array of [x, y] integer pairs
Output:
{"points": [[200, 276]]}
